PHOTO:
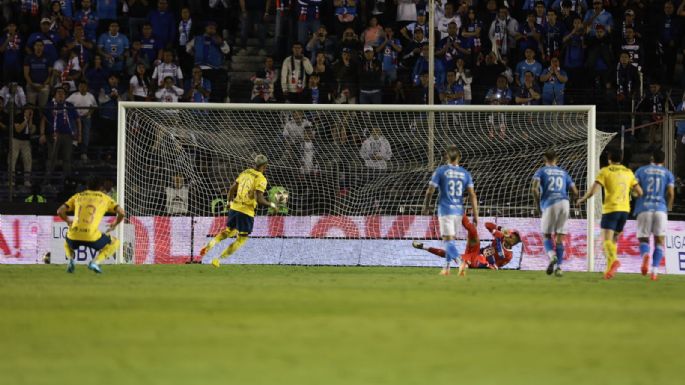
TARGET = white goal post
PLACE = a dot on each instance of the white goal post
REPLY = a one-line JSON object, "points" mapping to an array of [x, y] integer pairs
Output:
{"points": [[207, 144]]}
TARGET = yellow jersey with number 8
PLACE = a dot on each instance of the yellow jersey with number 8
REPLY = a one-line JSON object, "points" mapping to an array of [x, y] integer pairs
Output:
{"points": [[617, 181], [249, 181], [89, 208]]}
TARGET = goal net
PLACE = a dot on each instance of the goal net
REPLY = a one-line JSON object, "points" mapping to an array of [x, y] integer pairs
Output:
{"points": [[355, 177]]}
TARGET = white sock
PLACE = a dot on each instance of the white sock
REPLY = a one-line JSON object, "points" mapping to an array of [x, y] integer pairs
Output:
{"points": [[551, 255]]}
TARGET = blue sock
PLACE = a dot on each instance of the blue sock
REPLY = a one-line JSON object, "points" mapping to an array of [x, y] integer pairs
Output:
{"points": [[657, 256], [644, 248], [549, 246], [452, 253], [560, 253]]}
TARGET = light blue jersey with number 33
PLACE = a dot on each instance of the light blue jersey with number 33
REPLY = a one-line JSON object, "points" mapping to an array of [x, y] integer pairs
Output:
{"points": [[451, 182]]}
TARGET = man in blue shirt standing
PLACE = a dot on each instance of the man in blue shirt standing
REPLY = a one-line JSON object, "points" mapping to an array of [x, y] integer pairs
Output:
{"points": [[451, 181], [88, 19], [59, 127], [113, 46], [550, 187], [37, 73], [553, 79], [163, 24], [49, 38], [11, 47], [651, 209]]}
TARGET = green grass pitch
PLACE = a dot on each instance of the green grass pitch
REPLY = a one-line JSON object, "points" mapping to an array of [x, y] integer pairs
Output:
{"points": [[195, 325]]}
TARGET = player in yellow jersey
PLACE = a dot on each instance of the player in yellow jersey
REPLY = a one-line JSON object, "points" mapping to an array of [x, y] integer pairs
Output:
{"points": [[245, 193], [89, 207], [618, 183]]}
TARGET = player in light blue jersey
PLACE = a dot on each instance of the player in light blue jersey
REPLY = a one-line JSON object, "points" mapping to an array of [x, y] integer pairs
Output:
{"points": [[651, 209], [451, 181], [550, 188]]}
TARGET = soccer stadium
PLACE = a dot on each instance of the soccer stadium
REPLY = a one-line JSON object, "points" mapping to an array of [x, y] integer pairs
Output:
{"points": [[342, 192]]}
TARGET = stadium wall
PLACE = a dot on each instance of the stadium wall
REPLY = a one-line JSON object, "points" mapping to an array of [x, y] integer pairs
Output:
{"points": [[319, 240]]}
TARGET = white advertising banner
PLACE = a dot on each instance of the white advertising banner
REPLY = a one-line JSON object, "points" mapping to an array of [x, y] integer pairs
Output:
{"points": [[675, 251], [58, 255]]}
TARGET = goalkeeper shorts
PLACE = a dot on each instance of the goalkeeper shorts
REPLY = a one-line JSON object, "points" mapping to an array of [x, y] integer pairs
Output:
{"points": [[95, 245], [240, 221]]}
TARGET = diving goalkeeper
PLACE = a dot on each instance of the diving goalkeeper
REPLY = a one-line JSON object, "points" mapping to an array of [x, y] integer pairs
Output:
{"points": [[497, 254], [247, 190]]}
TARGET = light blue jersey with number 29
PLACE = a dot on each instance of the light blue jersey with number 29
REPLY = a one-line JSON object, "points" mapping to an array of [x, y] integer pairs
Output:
{"points": [[451, 182], [554, 185]]}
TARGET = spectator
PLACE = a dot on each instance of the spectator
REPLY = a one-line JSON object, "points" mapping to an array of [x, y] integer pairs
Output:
{"points": [[552, 37], [325, 74], [19, 96], [177, 197], [284, 30], [351, 41], [136, 57], [308, 20], [66, 70], [370, 83], [489, 70], [452, 92], [633, 47], [140, 85], [87, 18], [169, 93], [670, 31], [24, 127], [49, 38], [503, 32], [186, 33], [37, 73], [81, 45], [29, 15], [599, 57], [294, 72], [442, 22], [198, 88], [151, 47], [270, 76], [253, 13], [309, 164], [540, 12], [421, 66], [293, 134], [109, 97], [412, 51], [465, 78], [320, 42], [113, 47], [10, 48], [529, 92], [528, 64], [345, 12], [576, 6], [406, 13], [680, 144], [260, 88], [389, 51], [97, 76], [314, 94], [574, 54], [209, 49], [452, 47], [85, 105], [167, 68], [471, 32], [627, 82], [598, 16], [554, 80], [500, 94], [376, 150], [163, 24], [137, 16], [568, 14], [106, 12], [410, 29], [421, 91], [628, 21], [656, 103], [60, 22], [529, 35], [374, 34], [346, 72], [59, 127]]}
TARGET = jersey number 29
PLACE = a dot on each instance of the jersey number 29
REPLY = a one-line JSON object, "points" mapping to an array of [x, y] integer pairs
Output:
{"points": [[555, 183]]}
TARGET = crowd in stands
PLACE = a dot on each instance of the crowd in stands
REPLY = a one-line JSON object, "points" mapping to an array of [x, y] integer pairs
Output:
{"points": [[67, 63]]}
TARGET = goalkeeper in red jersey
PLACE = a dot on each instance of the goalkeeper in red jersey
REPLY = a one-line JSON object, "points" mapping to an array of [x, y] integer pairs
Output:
{"points": [[493, 256]]}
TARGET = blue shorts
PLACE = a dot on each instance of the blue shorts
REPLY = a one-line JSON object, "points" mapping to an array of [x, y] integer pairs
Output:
{"points": [[614, 221], [240, 221], [95, 245]]}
